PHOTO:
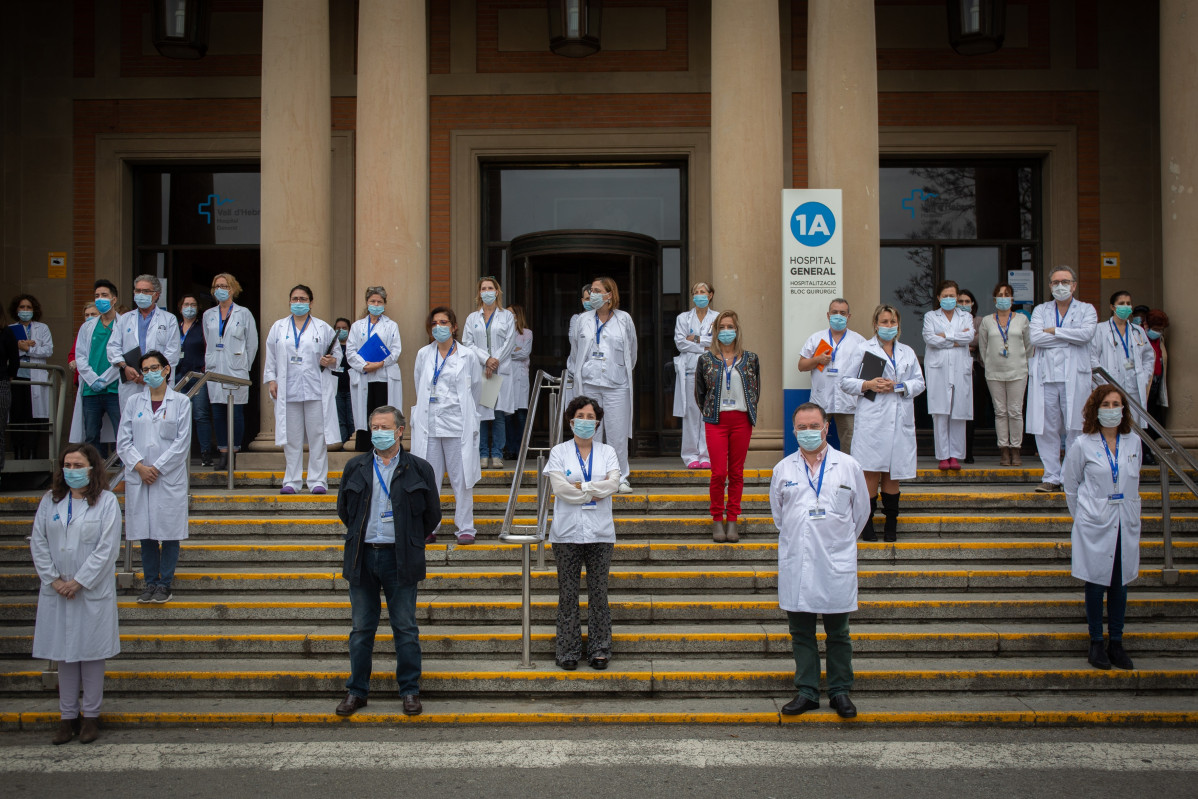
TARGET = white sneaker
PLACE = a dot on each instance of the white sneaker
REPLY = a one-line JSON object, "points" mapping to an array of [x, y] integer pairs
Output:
{"points": [[496, 463], [625, 488]]}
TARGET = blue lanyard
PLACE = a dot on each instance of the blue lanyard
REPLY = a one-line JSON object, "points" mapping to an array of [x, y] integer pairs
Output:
{"points": [[599, 327], [893, 362], [224, 320], [1003, 330], [70, 511], [487, 323], [834, 344], [437, 369], [370, 326], [1056, 308], [1122, 340], [807, 474], [585, 467], [301, 330], [1113, 462], [383, 483], [182, 336], [728, 373]]}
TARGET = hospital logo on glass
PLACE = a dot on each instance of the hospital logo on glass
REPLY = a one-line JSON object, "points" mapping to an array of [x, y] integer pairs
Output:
{"points": [[917, 196], [231, 222], [812, 224]]}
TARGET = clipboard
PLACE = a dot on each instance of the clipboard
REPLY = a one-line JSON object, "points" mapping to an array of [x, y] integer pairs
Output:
{"points": [[490, 391], [824, 347], [871, 367], [131, 358], [373, 350]]}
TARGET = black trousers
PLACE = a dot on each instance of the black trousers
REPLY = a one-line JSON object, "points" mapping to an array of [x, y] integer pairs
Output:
{"points": [[376, 395]]}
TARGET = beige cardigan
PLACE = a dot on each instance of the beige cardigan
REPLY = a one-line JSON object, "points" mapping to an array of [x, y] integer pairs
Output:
{"points": [[1019, 347]]}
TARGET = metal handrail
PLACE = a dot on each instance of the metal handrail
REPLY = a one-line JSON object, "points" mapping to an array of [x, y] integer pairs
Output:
{"points": [[553, 386], [1169, 574], [58, 401]]}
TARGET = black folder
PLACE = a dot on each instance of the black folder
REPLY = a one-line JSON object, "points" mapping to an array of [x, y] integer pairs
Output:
{"points": [[131, 358], [871, 366]]}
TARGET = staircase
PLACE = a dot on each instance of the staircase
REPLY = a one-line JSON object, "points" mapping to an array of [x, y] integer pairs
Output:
{"points": [[972, 617]]}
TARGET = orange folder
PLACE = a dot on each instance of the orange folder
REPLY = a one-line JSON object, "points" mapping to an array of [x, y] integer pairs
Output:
{"points": [[823, 347]]}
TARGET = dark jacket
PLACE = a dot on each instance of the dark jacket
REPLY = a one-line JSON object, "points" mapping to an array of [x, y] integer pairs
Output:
{"points": [[709, 383], [415, 501]]}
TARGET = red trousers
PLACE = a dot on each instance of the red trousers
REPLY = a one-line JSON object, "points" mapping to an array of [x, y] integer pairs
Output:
{"points": [[728, 444]]}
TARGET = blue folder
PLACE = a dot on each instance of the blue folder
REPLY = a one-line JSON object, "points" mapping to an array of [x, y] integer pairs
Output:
{"points": [[373, 350]]}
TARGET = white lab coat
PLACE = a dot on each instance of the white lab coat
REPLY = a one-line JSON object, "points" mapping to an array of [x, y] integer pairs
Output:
{"points": [[388, 332], [161, 335], [161, 440], [83, 346], [825, 386], [688, 324], [817, 558], [584, 346], [40, 352], [572, 522], [83, 628], [947, 364], [503, 342], [569, 381], [521, 356], [1086, 477], [884, 430], [1106, 350], [313, 343], [463, 376], [231, 355], [1074, 335]]}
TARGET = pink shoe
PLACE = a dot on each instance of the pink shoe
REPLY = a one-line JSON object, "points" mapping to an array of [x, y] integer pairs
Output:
{"points": [[944, 466], [466, 538], [431, 538], [287, 490], [705, 465], [954, 464], [693, 465]]}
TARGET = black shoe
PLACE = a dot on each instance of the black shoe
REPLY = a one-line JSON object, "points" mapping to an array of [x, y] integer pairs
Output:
{"points": [[568, 665], [799, 705], [206, 460], [843, 706], [598, 664], [1118, 656], [867, 532], [350, 704], [222, 463], [1098, 658]]}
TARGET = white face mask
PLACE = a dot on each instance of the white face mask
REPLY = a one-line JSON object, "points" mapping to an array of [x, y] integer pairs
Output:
{"points": [[1062, 293], [1110, 417]]}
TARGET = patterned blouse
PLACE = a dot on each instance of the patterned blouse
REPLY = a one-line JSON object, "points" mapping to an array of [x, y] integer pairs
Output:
{"points": [[709, 382]]}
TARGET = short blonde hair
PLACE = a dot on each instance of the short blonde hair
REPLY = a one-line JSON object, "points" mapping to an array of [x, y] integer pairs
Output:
{"points": [[883, 308], [703, 284], [715, 334], [609, 286], [234, 286], [498, 291]]}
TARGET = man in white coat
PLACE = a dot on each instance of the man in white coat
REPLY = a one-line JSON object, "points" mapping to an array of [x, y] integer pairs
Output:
{"points": [[820, 504], [693, 331], [836, 346], [147, 327], [1059, 372]]}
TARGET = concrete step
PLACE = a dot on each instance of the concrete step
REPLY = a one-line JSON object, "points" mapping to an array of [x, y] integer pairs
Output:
{"points": [[967, 640], [729, 677]]}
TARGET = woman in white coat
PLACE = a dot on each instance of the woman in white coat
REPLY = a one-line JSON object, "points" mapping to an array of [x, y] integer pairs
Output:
{"points": [[154, 443], [298, 374], [947, 333], [605, 355], [884, 431], [569, 387], [583, 474], [521, 361], [75, 541], [1101, 478], [231, 344], [693, 331], [1122, 348], [376, 382], [30, 409], [444, 420], [490, 333]]}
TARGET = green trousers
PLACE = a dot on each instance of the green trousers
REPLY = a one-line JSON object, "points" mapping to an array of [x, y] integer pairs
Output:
{"points": [[806, 652]]}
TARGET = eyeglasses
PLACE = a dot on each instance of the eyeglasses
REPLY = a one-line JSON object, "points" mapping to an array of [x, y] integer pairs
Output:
{"points": [[145, 370], [1056, 283]]}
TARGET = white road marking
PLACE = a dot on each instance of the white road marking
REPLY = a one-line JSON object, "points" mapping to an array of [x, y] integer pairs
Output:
{"points": [[689, 753]]}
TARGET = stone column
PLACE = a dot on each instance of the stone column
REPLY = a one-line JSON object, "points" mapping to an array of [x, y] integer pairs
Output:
{"points": [[391, 185], [296, 219], [842, 136], [746, 188], [1179, 209]]}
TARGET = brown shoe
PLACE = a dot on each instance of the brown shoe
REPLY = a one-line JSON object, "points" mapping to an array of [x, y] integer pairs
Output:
{"points": [[66, 731], [411, 705], [1016, 457], [731, 531], [1005, 460], [350, 704], [717, 531], [89, 731]]}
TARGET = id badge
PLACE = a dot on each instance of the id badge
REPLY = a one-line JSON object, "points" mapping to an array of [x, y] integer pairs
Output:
{"points": [[297, 359], [817, 514], [220, 346], [1130, 365], [1115, 499], [597, 356], [1004, 352], [386, 516], [592, 505], [728, 403]]}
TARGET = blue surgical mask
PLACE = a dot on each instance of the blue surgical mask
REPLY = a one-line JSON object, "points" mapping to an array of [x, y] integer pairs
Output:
{"points": [[1110, 417], [965, 309], [838, 322], [888, 333], [948, 303], [586, 303], [1003, 303], [442, 333], [153, 379], [809, 440], [299, 308], [382, 439], [25, 316], [1123, 311], [1137, 320], [77, 478], [143, 300], [375, 310], [585, 428], [103, 305], [189, 312], [701, 300], [1154, 334], [342, 334], [726, 336], [488, 297], [220, 294]]}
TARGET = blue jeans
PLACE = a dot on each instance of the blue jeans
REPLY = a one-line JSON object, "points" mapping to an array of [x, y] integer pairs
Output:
{"points": [[345, 415], [158, 561], [201, 415], [515, 430], [492, 435], [1116, 600], [220, 420], [94, 409], [379, 573]]}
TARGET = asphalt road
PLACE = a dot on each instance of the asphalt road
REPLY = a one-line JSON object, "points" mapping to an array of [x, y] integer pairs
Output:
{"points": [[615, 762]]}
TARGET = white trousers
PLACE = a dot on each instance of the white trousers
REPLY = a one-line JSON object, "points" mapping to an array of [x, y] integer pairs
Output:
{"points": [[445, 455], [694, 437], [950, 436], [1007, 396], [1048, 443], [617, 420], [85, 674], [306, 420]]}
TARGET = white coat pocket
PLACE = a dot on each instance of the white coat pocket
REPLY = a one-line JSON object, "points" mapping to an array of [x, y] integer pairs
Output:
{"points": [[168, 429], [842, 501], [89, 533]]}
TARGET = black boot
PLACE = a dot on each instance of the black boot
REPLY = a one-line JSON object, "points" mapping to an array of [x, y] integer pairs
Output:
{"points": [[1098, 658], [890, 507], [867, 532]]}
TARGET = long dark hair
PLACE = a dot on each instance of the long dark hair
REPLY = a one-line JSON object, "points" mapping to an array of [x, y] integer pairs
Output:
{"points": [[95, 485]]}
